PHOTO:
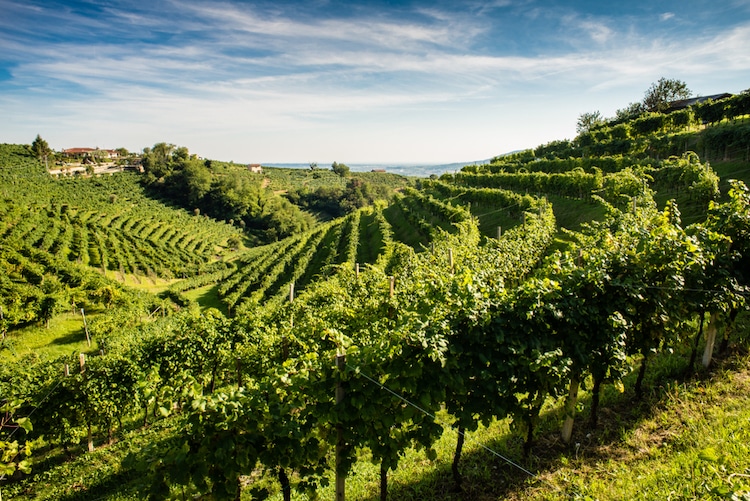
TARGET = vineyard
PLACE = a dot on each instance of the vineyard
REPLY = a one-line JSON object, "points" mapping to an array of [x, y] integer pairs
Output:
{"points": [[503, 293]]}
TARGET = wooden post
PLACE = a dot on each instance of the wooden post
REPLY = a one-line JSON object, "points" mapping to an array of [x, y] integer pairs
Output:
{"points": [[86, 328], [579, 260], [570, 408], [66, 370], [82, 361], [238, 367], [392, 280], [291, 292], [356, 269], [524, 220], [499, 232], [450, 260], [340, 477], [710, 339]]}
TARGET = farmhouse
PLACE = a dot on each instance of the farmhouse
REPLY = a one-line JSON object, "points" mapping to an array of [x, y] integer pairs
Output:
{"points": [[255, 168], [90, 152]]}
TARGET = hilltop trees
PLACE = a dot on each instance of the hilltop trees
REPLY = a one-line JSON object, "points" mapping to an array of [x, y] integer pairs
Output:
{"points": [[158, 161], [231, 196], [588, 120], [630, 112], [661, 93], [40, 148], [340, 169], [656, 99]]}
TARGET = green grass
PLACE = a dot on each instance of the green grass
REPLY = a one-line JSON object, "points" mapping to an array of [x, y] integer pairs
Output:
{"points": [[491, 217], [207, 297], [403, 231], [572, 213], [154, 285], [99, 475], [688, 438], [735, 169], [695, 445], [64, 336]]}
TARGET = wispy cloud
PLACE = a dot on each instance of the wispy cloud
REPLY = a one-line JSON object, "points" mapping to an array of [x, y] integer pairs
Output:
{"points": [[190, 66]]}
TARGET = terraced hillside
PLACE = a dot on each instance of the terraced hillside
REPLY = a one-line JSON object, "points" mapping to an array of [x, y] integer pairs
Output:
{"points": [[489, 297], [55, 232]]}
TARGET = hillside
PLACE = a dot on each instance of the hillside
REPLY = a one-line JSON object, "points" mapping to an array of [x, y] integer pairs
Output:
{"points": [[508, 302]]}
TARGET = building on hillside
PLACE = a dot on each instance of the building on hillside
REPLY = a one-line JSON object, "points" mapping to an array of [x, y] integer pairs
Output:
{"points": [[81, 153], [255, 168], [77, 152], [685, 103], [377, 170]]}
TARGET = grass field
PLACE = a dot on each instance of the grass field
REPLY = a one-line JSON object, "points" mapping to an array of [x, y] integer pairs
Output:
{"points": [[65, 335]]}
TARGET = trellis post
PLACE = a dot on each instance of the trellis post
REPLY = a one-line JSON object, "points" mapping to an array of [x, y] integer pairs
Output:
{"points": [[340, 476], [86, 328]]}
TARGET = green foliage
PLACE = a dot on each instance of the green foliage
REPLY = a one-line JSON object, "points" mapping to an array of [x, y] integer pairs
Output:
{"points": [[587, 121], [40, 148], [341, 170], [14, 455], [231, 194], [710, 111], [661, 93]]}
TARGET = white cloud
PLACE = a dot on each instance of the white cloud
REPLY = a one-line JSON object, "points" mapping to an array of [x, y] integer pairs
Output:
{"points": [[279, 81]]}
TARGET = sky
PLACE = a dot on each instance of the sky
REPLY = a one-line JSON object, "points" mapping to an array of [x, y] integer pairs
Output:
{"points": [[383, 81]]}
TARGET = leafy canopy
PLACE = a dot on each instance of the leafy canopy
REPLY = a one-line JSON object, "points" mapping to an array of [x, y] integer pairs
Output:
{"points": [[661, 93]]}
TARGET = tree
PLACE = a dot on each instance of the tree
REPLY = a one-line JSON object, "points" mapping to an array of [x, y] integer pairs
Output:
{"points": [[588, 120], [631, 111], [661, 93], [157, 161], [340, 169], [40, 148], [196, 181]]}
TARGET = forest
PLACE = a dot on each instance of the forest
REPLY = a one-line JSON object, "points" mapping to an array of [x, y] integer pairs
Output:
{"points": [[199, 331]]}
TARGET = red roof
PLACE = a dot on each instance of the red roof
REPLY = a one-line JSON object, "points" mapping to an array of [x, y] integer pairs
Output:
{"points": [[78, 150]]}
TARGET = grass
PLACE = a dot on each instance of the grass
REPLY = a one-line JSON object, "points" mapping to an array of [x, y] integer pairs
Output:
{"points": [[403, 231], [153, 285], [735, 169], [207, 297], [98, 475], [687, 438], [571, 213], [65, 335], [695, 445]]}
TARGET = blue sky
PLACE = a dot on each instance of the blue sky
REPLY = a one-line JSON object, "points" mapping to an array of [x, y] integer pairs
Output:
{"points": [[355, 82]]}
